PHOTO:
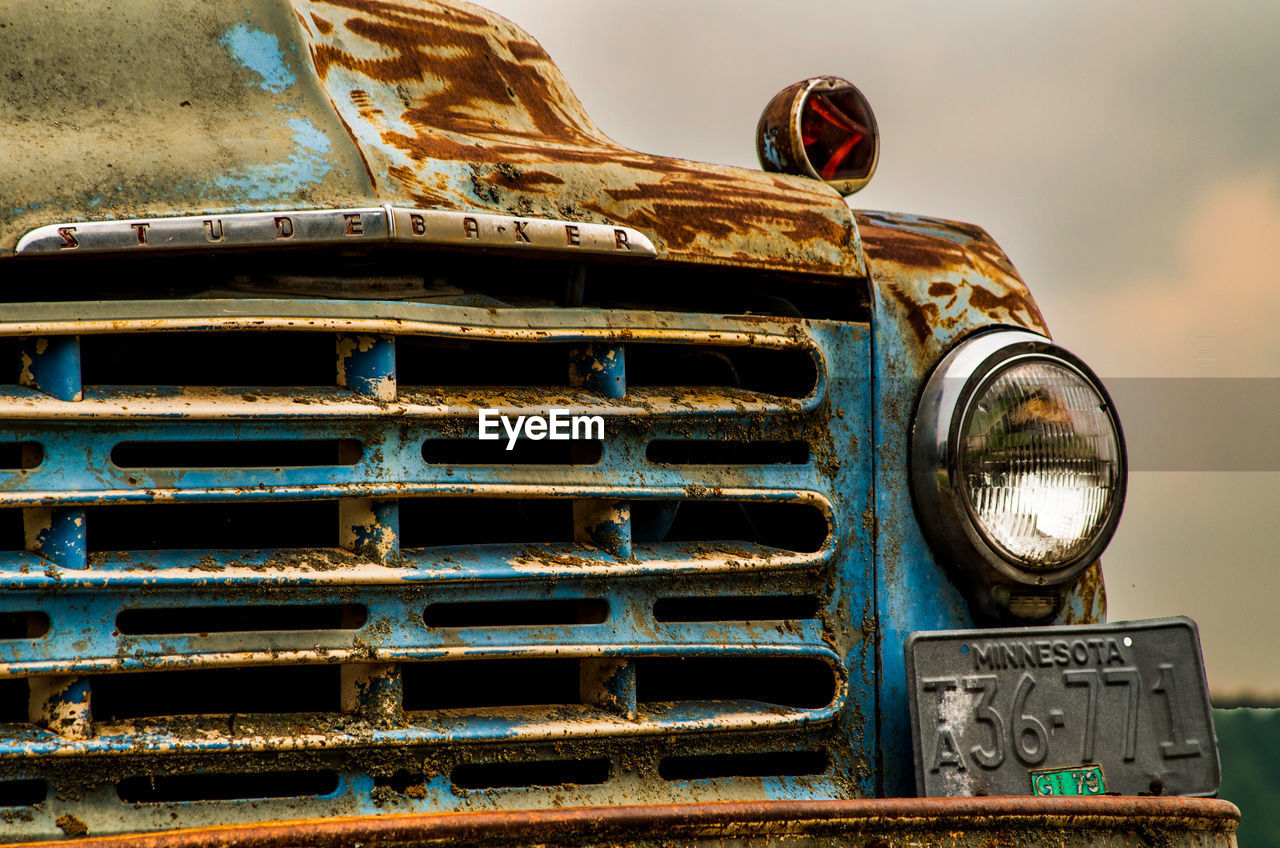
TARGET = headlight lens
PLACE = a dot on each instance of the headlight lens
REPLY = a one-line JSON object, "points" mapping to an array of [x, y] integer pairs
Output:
{"points": [[1039, 462]]}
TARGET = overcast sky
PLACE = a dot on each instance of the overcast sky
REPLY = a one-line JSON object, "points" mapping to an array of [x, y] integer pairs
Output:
{"points": [[1125, 156]]}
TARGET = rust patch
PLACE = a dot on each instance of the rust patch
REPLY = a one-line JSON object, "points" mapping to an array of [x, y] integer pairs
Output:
{"points": [[906, 239], [1011, 303], [908, 249], [534, 179], [1091, 592], [72, 826], [465, 111], [322, 26], [947, 276], [526, 50], [360, 99], [920, 316]]}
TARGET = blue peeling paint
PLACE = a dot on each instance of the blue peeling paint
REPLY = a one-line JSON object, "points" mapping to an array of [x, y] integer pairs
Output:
{"points": [[771, 154], [260, 52], [306, 165], [306, 135]]}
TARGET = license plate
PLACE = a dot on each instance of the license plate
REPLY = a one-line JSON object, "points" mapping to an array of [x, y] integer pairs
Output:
{"points": [[990, 708]]}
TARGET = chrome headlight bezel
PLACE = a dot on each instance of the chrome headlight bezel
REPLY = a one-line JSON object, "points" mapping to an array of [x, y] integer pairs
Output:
{"points": [[942, 504]]}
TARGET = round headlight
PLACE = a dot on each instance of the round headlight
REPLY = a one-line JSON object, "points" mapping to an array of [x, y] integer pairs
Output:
{"points": [[1018, 461]]}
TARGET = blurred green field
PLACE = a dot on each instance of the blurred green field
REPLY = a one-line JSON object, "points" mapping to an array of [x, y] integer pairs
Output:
{"points": [[1249, 744]]}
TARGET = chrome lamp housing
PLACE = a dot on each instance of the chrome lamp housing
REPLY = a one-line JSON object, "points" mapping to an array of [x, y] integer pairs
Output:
{"points": [[1018, 471]]}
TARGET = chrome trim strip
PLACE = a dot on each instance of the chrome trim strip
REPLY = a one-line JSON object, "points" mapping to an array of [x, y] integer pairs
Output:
{"points": [[369, 225]]}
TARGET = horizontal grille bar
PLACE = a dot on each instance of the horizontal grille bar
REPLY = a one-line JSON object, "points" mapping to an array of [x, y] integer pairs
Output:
{"points": [[510, 725], [248, 404], [257, 570], [729, 485], [78, 470], [588, 641], [392, 318]]}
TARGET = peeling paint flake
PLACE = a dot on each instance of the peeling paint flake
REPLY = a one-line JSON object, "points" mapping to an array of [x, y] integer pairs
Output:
{"points": [[306, 135], [306, 164], [260, 52]]}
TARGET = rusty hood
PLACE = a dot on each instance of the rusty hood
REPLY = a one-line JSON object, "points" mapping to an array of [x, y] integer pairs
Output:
{"points": [[117, 111]]}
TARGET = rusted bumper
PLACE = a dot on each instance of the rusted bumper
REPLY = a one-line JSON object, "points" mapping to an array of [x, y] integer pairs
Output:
{"points": [[884, 823]]}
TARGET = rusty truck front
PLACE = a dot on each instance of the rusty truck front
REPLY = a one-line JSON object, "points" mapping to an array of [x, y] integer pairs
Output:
{"points": [[300, 296]]}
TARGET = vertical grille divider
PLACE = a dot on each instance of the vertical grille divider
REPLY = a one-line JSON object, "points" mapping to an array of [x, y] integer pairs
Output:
{"points": [[366, 365], [606, 524], [51, 364]]}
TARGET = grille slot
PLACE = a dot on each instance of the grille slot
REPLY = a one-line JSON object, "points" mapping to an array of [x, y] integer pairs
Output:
{"points": [[474, 684], [155, 622], [713, 293], [517, 613], [19, 456], [748, 608], [12, 531], [716, 452], [10, 360], [473, 451], [802, 683], [199, 526], [537, 773], [770, 764], [14, 692], [23, 793], [23, 625], [785, 373], [208, 359], [269, 690], [238, 453], [792, 527], [445, 362], [157, 789], [433, 522]]}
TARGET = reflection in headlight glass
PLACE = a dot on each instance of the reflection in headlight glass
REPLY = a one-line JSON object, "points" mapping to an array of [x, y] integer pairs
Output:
{"points": [[1040, 463]]}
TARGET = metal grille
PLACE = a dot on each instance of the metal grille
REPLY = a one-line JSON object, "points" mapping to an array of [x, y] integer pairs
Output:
{"points": [[249, 536]]}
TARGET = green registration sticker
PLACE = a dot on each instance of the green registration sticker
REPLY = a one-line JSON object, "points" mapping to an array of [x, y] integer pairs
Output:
{"points": [[1080, 780]]}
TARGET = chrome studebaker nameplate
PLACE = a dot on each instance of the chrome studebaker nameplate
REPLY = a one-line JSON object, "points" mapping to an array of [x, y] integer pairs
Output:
{"points": [[366, 225]]}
